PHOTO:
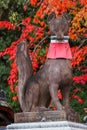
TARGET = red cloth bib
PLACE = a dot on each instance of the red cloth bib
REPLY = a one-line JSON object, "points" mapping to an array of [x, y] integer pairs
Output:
{"points": [[59, 50]]}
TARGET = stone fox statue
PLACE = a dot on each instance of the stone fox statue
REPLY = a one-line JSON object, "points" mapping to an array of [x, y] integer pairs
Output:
{"points": [[36, 91]]}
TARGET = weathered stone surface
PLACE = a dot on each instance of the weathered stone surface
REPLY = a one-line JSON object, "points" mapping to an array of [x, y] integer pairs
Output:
{"points": [[44, 116], [54, 125]]}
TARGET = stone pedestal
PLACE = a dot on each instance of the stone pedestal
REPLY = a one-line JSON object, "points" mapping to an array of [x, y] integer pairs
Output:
{"points": [[51, 125], [46, 120], [59, 115]]}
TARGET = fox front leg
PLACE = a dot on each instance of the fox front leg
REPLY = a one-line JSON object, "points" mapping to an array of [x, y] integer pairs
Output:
{"points": [[53, 88]]}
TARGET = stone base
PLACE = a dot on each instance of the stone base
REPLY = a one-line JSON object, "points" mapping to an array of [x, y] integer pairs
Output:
{"points": [[55, 125], [59, 115]]}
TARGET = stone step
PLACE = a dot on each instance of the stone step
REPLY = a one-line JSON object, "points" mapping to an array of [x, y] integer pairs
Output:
{"points": [[54, 125]]}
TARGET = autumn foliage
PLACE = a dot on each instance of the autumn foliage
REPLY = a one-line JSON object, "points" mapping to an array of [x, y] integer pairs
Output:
{"points": [[79, 23]]}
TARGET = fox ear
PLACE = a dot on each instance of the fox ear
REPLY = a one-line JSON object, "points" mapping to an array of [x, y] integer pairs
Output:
{"points": [[67, 17], [51, 17]]}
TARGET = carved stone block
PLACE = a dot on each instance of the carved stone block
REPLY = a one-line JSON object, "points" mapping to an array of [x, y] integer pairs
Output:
{"points": [[45, 116]]}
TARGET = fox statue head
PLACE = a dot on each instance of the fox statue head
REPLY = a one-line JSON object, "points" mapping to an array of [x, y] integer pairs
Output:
{"points": [[58, 26]]}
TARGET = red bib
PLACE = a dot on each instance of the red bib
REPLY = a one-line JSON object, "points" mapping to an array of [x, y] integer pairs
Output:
{"points": [[59, 50]]}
